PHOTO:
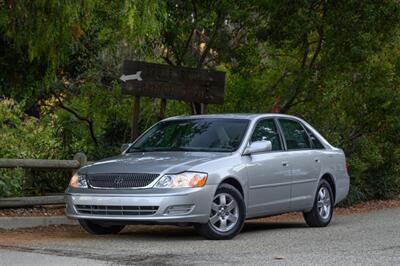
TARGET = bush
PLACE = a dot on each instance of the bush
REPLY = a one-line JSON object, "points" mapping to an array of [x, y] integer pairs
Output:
{"points": [[24, 137], [10, 182], [382, 184]]}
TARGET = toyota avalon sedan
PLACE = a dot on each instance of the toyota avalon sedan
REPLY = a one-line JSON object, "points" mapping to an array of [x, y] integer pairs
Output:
{"points": [[212, 172]]}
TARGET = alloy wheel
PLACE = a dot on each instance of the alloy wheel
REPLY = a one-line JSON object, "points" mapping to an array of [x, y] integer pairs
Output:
{"points": [[224, 212], [324, 203]]}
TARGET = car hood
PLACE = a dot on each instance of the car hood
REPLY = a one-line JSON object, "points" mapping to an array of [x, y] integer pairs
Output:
{"points": [[151, 162]]}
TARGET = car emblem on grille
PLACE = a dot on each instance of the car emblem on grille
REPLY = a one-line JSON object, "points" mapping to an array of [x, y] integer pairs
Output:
{"points": [[118, 180]]}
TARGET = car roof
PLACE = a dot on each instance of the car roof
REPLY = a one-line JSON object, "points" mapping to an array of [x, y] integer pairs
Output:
{"points": [[250, 116]]}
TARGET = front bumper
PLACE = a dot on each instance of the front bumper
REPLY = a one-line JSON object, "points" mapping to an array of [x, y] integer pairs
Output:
{"points": [[199, 198]]}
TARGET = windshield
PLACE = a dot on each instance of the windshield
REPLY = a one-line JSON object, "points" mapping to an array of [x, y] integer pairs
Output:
{"points": [[214, 134]]}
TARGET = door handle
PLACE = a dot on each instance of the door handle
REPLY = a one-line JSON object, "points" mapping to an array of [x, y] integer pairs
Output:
{"points": [[285, 163], [317, 160]]}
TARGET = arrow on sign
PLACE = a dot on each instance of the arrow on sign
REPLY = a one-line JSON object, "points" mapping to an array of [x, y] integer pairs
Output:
{"points": [[136, 76]]}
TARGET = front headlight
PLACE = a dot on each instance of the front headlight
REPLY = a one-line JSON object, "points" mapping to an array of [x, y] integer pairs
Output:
{"points": [[78, 181], [187, 179]]}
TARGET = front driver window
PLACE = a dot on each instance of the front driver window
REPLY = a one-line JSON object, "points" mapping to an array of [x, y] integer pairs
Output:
{"points": [[295, 135], [266, 130]]}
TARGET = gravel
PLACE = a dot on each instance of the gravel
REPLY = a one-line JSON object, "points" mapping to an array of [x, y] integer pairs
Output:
{"points": [[362, 238], [36, 211]]}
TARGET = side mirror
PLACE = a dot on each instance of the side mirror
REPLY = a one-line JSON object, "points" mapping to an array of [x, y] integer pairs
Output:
{"points": [[124, 146], [258, 146]]}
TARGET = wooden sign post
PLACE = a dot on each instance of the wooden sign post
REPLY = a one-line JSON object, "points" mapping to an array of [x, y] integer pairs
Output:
{"points": [[197, 86]]}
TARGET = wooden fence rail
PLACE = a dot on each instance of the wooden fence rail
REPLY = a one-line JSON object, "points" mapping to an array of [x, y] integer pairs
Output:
{"points": [[42, 164], [31, 201], [28, 165]]}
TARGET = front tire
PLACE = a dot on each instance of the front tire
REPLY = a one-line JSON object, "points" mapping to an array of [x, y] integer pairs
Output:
{"points": [[227, 215], [96, 228], [321, 213]]}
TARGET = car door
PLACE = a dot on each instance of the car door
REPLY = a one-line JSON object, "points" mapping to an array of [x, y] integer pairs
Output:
{"points": [[268, 173], [304, 162]]}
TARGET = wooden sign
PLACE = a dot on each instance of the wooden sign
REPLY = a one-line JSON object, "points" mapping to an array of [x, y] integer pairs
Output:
{"points": [[169, 82]]}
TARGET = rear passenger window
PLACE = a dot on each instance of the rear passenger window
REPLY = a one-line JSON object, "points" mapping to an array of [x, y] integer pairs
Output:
{"points": [[316, 144], [266, 130], [295, 135]]}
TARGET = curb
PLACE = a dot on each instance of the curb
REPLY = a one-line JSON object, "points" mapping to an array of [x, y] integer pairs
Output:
{"points": [[27, 222]]}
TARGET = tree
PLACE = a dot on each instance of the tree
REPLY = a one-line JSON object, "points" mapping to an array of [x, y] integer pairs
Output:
{"points": [[47, 42], [202, 34], [335, 63]]}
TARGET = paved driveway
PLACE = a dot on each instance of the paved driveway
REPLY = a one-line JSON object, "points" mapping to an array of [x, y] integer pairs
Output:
{"points": [[363, 238]]}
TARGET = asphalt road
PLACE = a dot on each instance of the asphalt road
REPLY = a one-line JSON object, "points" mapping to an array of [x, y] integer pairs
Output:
{"points": [[371, 238]]}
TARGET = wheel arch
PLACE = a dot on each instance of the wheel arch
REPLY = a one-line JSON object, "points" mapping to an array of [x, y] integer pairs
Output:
{"points": [[235, 183], [331, 180]]}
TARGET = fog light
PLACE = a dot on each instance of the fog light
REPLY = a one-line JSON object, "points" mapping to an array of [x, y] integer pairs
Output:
{"points": [[179, 209]]}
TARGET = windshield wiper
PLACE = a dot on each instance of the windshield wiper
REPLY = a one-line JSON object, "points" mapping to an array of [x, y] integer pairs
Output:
{"points": [[137, 149], [149, 149], [200, 149], [155, 149]]}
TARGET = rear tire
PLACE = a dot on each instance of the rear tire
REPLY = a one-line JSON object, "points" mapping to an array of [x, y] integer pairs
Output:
{"points": [[321, 213], [96, 228], [227, 214]]}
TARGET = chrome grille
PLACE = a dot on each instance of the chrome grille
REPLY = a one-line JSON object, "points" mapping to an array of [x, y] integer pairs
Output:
{"points": [[116, 210], [130, 180]]}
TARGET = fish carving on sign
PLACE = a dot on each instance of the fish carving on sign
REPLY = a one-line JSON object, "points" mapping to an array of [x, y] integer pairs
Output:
{"points": [[136, 76]]}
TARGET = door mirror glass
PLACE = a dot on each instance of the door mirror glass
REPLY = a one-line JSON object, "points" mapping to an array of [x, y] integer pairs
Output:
{"points": [[258, 146], [124, 146]]}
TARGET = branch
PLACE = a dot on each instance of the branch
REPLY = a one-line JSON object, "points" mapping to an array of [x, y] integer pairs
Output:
{"points": [[179, 61], [277, 82], [167, 60], [305, 54], [316, 52], [286, 106], [320, 39], [351, 139], [306, 46], [78, 116], [219, 23]]}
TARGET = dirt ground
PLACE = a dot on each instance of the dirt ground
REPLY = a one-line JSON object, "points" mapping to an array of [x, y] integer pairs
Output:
{"points": [[369, 235], [71, 232], [36, 211]]}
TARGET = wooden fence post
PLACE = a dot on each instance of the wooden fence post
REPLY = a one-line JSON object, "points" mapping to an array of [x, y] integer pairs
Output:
{"points": [[135, 118], [81, 158], [204, 108], [27, 182], [163, 106]]}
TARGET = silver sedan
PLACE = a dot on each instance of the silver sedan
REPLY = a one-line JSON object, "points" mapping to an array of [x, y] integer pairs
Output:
{"points": [[213, 172]]}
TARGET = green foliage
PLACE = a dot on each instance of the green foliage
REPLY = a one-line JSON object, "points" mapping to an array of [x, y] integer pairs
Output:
{"points": [[10, 182], [335, 63], [45, 38], [23, 136]]}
